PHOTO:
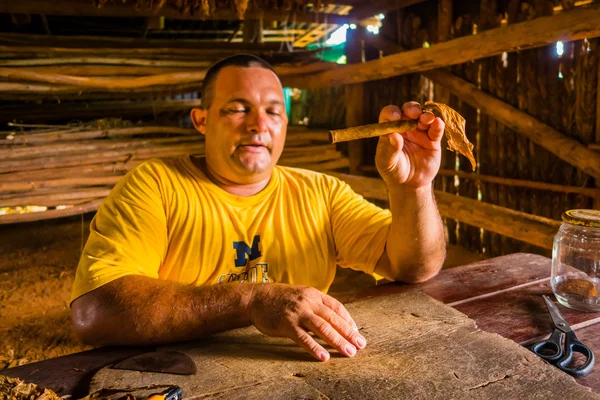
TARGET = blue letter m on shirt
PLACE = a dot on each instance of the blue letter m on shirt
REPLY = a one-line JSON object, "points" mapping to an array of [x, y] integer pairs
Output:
{"points": [[243, 249]]}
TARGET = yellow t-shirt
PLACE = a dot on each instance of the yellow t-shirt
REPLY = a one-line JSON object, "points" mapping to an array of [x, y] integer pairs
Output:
{"points": [[165, 219]]}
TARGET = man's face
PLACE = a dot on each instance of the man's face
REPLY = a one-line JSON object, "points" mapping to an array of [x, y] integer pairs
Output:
{"points": [[246, 124]]}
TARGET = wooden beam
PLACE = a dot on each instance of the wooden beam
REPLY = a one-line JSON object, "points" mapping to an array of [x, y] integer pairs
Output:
{"points": [[583, 22], [558, 144], [78, 8], [528, 228], [369, 9]]}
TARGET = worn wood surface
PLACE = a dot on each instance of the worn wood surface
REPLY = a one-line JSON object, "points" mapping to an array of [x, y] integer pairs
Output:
{"points": [[462, 286], [521, 314], [418, 348]]}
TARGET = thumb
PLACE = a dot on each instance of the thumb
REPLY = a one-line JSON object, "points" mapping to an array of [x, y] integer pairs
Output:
{"points": [[396, 141]]}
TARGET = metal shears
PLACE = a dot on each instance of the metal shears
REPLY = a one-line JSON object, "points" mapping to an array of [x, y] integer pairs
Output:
{"points": [[553, 350]]}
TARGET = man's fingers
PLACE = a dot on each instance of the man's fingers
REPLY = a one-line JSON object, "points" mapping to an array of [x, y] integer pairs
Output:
{"points": [[425, 120], [325, 331], [339, 309], [422, 139], [390, 113], [342, 327], [309, 344], [411, 109], [436, 130]]}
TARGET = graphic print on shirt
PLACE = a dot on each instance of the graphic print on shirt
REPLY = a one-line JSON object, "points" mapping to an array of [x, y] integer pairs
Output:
{"points": [[251, 270]]}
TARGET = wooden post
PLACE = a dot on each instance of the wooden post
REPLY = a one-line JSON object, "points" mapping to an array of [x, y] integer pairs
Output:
{"points": [[253, 30], [597, 199], [354, 96], [444, 30]]}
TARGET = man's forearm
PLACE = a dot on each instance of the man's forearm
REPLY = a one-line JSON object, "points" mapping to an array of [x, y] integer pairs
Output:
{"points": [[415, 246], [137, 310]]}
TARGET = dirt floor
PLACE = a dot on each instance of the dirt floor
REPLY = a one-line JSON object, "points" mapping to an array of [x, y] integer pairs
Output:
{"points": [[37, 268]]}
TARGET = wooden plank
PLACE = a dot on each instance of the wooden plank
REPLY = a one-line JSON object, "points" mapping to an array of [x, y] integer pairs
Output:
{"points": [[562, 146], [573, 25], [405, 333], [118, 9]]}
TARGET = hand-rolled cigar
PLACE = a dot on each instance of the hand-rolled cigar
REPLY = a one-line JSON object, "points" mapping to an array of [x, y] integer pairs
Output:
{"points": [[455, 130]]}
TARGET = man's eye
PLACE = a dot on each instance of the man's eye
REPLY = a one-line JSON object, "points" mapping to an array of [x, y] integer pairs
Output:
{"points": [[274, 112], [236, 110]]}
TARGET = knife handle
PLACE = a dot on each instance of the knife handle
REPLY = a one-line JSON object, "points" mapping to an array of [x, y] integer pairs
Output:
{"points": [[173, 393]]}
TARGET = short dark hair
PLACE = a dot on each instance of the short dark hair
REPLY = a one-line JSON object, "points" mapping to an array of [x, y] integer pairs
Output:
{"points": [[238, 60]]}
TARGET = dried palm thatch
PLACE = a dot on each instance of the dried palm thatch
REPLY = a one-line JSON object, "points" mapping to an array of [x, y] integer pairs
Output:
{"points": [[205, 8]]}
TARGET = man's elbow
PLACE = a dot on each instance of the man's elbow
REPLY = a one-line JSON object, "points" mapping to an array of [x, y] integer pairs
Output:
{"points": [[421, 271], [86, 323]]}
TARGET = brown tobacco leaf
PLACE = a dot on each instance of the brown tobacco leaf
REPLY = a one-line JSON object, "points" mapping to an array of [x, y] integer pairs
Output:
{"points": [[16, 389], [455, 130]]}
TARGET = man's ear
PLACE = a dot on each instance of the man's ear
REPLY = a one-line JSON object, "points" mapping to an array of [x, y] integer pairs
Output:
{"points": [[198, 116]]}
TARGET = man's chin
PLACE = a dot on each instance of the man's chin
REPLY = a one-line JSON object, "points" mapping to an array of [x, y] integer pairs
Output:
{"points": [[255, 166]]}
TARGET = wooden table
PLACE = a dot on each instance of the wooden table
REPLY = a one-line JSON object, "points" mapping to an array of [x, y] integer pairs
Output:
{"points": [[502, 294]]}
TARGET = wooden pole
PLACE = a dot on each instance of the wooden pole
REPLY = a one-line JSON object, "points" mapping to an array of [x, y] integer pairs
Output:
{"points": [[563, 147], [71, 135], [354, 99], [52, 214], [20, 74], [50, 112], [590, 192], [572, 25], [31, 43], [528, 228]]}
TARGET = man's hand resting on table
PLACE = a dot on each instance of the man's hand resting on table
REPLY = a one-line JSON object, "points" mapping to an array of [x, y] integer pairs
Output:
{"points": [[293, 311], [138, 310]]}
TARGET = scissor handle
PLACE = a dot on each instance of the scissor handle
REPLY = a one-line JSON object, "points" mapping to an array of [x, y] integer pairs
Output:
{"points": [[551, 348], [572, 345]]}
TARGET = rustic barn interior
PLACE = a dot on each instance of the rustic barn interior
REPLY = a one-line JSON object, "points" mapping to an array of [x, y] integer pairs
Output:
{"points": [[89, 89]]}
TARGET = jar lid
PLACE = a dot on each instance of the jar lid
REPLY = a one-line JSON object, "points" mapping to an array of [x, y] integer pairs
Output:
{"points": [[582, 217]]}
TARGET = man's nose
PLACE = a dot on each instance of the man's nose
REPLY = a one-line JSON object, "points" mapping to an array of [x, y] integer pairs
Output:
{"points": [[258, 122]]}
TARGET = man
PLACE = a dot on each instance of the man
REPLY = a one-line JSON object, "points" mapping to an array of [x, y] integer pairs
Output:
{"points": [[187, 247]]}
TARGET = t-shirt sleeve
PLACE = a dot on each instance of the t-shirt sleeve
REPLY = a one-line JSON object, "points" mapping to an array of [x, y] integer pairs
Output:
{"points": [[359, 227], [128, 235]]}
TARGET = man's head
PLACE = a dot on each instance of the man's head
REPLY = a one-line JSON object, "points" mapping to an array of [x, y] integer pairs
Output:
{"points": [[243, 119]]}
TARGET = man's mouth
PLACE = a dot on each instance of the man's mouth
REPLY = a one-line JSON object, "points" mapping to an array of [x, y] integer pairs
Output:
{"points": [[252, 148]]}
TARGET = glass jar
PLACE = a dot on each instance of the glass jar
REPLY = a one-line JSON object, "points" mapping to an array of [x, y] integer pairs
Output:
{"points": [[575, 274]]}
